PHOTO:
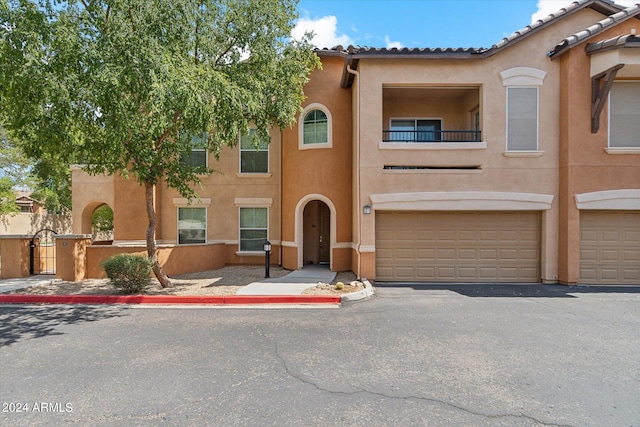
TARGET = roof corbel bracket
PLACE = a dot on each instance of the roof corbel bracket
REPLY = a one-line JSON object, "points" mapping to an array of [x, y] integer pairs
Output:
{"points": [[600, 88]]}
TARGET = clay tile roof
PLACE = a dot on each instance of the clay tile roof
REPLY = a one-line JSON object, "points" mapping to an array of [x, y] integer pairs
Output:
{"points": [[628, 40], [598, 27]]}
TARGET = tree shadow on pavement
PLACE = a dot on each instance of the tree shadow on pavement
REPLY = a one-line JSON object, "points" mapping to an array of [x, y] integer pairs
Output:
{"points": [[19, 323], [514, 290]]}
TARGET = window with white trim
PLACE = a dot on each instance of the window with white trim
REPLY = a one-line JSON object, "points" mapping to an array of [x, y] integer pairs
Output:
{"points": [[522, 118], [254, 228], [624, 115], [197, 156], [254, 154], [315, 127], [192, 225]]}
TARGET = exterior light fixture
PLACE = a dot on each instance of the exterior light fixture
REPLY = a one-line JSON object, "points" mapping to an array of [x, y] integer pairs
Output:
{"points": [[267, 258], [366, 210]]}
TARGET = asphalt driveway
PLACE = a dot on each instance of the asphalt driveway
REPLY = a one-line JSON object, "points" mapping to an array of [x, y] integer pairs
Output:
{"points": [[412, 355]]}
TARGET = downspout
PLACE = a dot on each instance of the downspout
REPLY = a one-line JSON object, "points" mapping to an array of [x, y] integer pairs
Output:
{"points": [[357, 158]]}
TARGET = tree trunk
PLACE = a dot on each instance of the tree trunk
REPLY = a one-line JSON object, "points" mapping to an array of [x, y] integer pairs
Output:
{"points": [[152, 251]]}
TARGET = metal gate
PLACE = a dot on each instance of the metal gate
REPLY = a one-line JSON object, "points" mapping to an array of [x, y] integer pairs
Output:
{"points": [[42, 252]]}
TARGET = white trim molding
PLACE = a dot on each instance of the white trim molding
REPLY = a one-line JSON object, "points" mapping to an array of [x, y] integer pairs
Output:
{"points": [[299, 225], [264, 202], [522, 76], [481, 145], [609, 200], [191, 203], [307, 109], [462, 201]]}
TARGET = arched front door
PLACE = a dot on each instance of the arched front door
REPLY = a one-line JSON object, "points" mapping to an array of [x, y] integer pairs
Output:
{"points": [[317, 233]]}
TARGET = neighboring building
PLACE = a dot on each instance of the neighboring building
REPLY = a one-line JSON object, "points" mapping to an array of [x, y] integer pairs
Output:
{"points": [[32, 217], [516, 163], [29, 205]]}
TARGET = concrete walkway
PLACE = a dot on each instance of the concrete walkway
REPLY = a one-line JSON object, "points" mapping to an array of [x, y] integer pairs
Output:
{"points": [[293, 283], [8, 285]]}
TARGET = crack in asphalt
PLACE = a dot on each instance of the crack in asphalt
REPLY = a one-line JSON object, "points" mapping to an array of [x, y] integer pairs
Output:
{"points": [[409, 397]]}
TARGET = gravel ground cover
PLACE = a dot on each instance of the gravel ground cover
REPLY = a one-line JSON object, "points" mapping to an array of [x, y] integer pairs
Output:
{"points": [[223, 281]]}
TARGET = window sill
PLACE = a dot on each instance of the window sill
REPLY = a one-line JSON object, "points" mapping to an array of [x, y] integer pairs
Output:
{"points": [[254, 175], [315, 146], [522, 153], [250, 253], [432, 145], [622, 150]]}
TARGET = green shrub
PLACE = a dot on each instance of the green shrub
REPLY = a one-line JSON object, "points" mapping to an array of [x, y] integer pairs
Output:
{"points": [[130, 274]]}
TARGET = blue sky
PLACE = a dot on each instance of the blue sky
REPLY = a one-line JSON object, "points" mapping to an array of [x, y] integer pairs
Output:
{"points": [[420, 23]]}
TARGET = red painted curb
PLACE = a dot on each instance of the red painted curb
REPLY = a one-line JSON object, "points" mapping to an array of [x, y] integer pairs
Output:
{"points": [[167, 299]]}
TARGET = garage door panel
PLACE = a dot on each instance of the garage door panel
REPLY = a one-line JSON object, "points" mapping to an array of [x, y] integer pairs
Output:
{"points": [[632, 275], [458, 246], [445, 273], [446, 254], [610, 247], [631, 255], [468, 254]]}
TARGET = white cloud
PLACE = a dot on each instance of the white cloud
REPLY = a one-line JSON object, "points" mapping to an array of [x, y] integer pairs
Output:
{"points": [[391, 45], [547, 7], [325, 31]]}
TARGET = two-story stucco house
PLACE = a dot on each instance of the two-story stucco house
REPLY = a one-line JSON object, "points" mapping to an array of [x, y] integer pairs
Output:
{"points": [[515, 163]]}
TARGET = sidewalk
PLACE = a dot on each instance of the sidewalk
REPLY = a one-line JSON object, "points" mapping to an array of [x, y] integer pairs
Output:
{"points": [[8, 285], [283, 290], [293, 283]]}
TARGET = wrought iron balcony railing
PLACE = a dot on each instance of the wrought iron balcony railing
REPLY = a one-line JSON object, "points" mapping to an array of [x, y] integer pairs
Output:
{"points": [[431, 136]]}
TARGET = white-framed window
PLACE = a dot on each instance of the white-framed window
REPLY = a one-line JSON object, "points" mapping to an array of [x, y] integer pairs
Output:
{"points": [[254, 228], [192, 225], [522, 118], [197, 156], [624, 114], [315, 127], [414, 130], [254, 154]]}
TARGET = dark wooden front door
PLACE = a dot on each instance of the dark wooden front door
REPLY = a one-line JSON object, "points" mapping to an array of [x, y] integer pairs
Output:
{"points": [[317, 233]]}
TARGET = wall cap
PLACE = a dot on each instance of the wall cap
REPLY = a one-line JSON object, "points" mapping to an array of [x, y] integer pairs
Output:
{"points": [[628, 199], [462, 201]]}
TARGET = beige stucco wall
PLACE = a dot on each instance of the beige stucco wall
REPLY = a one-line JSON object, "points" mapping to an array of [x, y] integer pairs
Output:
{"points": [[223, 193], [29, 223], [585, 165], [320, 173], [531, 173], [87, 194]]}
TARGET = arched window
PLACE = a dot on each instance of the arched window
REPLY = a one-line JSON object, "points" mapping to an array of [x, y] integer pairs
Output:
{"points": [[315, 131]]}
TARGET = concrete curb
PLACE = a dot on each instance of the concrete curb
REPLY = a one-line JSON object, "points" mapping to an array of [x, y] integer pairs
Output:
{"points": [[367, 292], [169, 299]]}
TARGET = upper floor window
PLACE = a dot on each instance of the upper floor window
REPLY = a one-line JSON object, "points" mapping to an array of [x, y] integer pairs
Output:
{"points": [[254, 154], [197, 156], [315, 129], [624, 115], [522, 119]]}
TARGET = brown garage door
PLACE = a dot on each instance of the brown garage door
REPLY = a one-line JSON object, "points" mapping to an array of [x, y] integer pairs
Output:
{"points": [[458, 246], [610, 247]]}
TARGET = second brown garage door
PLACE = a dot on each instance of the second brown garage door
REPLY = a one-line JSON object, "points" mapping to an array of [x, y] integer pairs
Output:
{"points": [[458, 246]]}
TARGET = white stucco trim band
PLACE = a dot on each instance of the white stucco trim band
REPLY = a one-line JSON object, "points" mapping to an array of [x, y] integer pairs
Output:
{"points": [[253, 201], [193, 203], [462, 201], [609, 200]]}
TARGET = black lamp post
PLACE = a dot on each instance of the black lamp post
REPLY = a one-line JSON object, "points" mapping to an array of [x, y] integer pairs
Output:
{"points": [[267, 258]]}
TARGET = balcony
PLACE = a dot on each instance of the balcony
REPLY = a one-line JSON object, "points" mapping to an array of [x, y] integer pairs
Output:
{"points": [[431, 116], [431, 136]]}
